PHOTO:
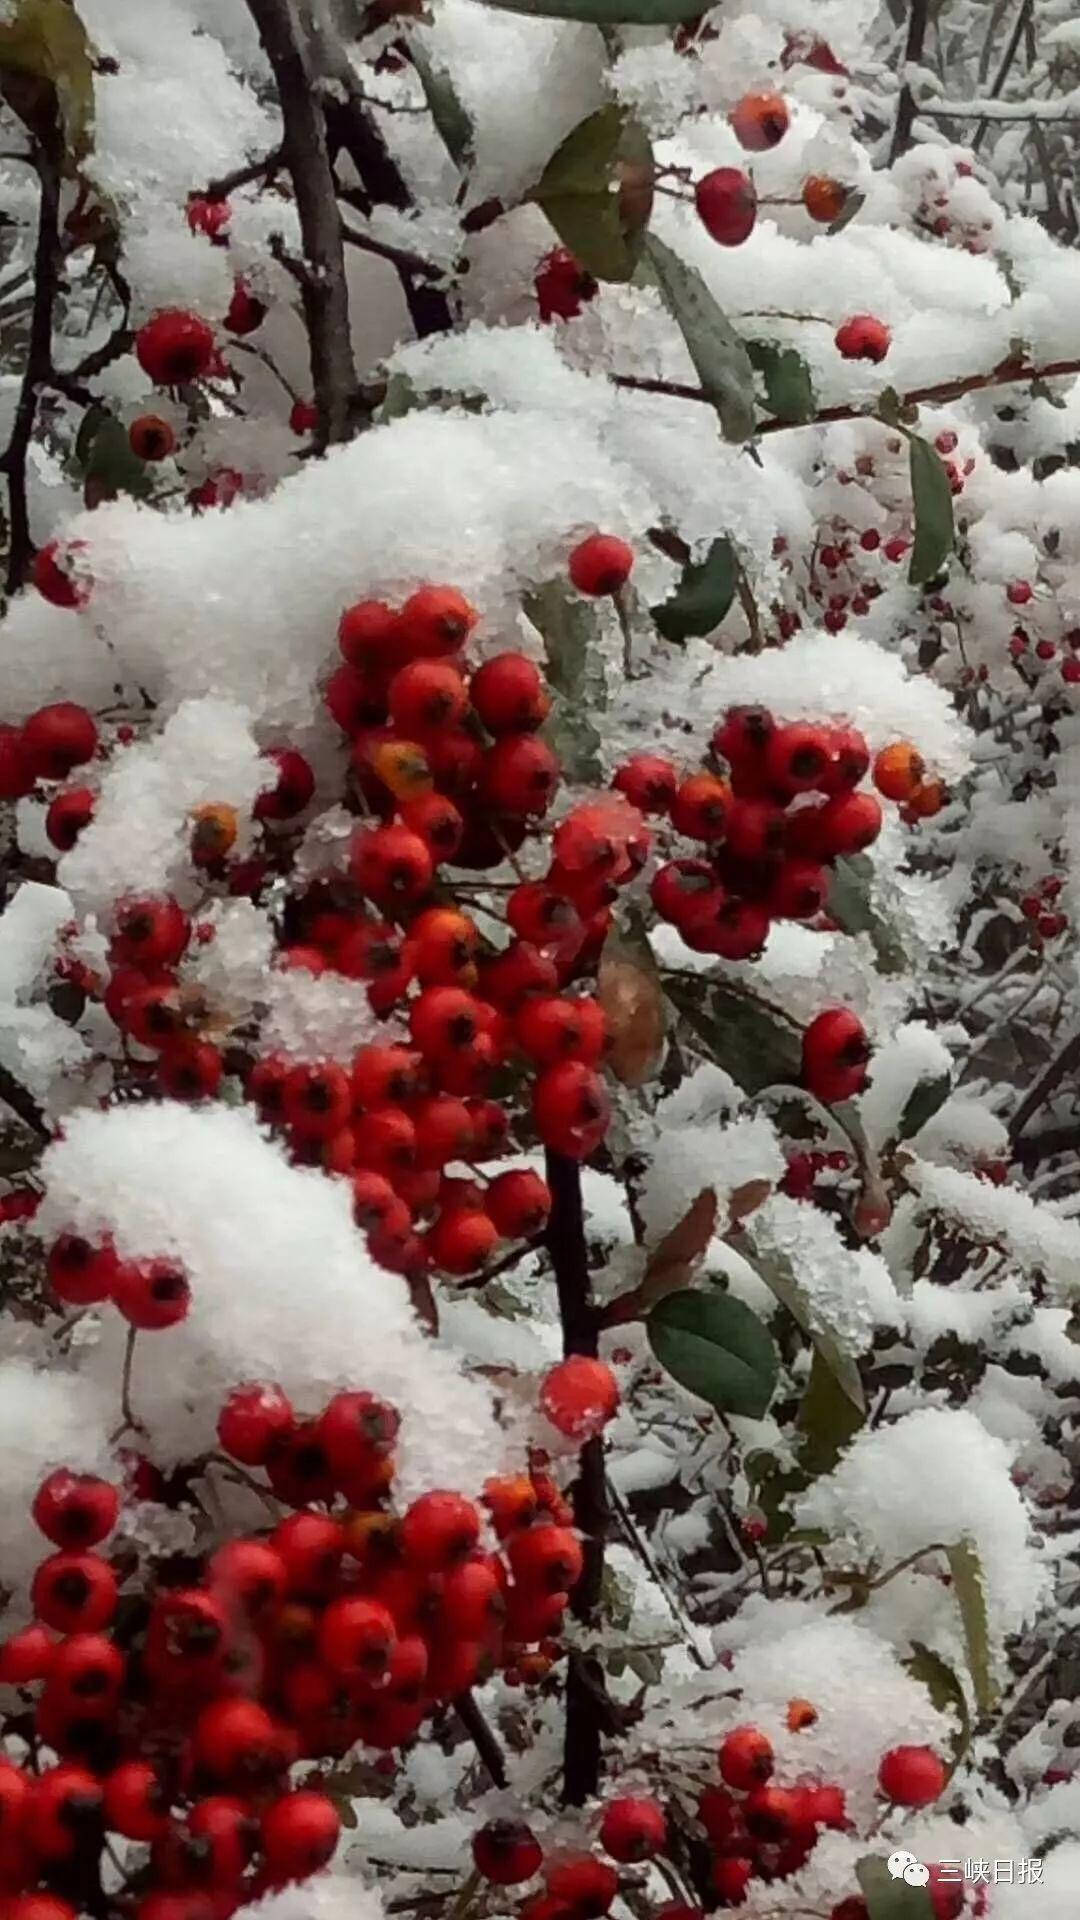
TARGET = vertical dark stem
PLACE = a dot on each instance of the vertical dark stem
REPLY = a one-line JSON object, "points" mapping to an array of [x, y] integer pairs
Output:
{"points": [[323, 286], [38, 356], [584, 1691], [913, 53]]}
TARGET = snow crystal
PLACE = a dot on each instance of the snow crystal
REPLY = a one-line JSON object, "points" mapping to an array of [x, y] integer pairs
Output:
{"points": [[328, 1896], [318, 1016], [1033, 1234], [933, 1476], [911, 1057], [687, 1160], [847, 1292], [282, 1286]]}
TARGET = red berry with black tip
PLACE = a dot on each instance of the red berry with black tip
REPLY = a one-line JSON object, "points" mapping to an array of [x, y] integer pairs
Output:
{"points": [[508, 694], [299, 1834], [601, 564], [68, 814], [60, 574], [633, 1829], [506, 1852], [435, 621], [439, 1530], [75, 1510], [746, 1758], [759, 121], [519, 1202], [150, 932], [571, 1109], [649, 782], [519, 775], [255, 1417], [425, 695], [356, 1638], [65, 1810], [847, 824], [80, 1273], [152, 1294], [562, 286], [392, 865], [74, 1592], [174, 347], [58, 738], [797, 757], [700, 807], [136, 1803], [835, 1053], [586, 1884]]}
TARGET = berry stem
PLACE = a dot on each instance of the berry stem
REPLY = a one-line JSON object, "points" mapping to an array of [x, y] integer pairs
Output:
{"points": [[577, 1313], [131, 1422]]}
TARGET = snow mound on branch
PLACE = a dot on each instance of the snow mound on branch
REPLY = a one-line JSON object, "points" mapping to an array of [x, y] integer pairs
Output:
{"points": [[847, 1292], [1034, 1236], [140, 837], [935, 1476], [913, 1057], [329, 1896], [686, 1160], [47, 1419], [245, 604], [282, 1287], [317, 1016]]}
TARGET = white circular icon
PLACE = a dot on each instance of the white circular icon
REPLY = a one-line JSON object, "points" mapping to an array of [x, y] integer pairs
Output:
{"points": [[904, 1866]]}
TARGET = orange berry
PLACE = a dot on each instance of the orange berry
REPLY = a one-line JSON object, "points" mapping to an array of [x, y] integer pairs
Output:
{"points": [[898, 770]]}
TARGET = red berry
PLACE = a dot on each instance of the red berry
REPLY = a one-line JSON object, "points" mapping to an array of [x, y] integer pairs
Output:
{"points": [[587, 1885], [899, 771], [151, 438], [317, 1100], [648, 781], [312, 1546], [208, 215], [519, 775], [370, 636], [303, 416], [16, 773], [299, 1834], [190, 1069], [799, 890], [437, 821], [912, 1776], [835, 1053], [60, 573], [797, 757], [601, 564], [58, 738], [75, 1510], [546, 1559], [509, 695], [863, 338], [245, 312], [700, 807], [847, 824], [151, 932], [540, 914], [74, 1592], [249, 1577], [357, 1431], [293, 785], [519, 1203], [435, 621], [237, 1741], [443, 1130], [505, 1853], [444, 1021], [356, 1638], [551, 1028], [385, 1141], [678, 885], [571, 1109], [391, 864], [426, 694], [1019, 592], [384, 1076], [152, 1294], [26, 1656], [73, 810], [579, 1396], [253, 1418], [136, 1804], [633, 1830], [562, 286], [731, 928], [439, 1530], [731, 1875], [174, 347], [80, 1273], [65, 1807], [759, 121], [946, 1895], [727, 205], [746, 1758]]}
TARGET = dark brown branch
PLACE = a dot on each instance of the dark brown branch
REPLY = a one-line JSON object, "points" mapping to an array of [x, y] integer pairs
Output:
{"points": [[913, 53], [482, 1737], [584, 1692], [24, 1105], [1047, 1144], [1006, 375], [324, 291], [1023, 19], [350, 129], [1065, 1061], [263, 169], [38, 356]]}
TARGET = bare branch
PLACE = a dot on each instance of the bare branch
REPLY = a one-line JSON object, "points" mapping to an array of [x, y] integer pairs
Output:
{"points": [[38, 356]]}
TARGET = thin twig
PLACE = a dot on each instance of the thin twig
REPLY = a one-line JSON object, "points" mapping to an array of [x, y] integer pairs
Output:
{"points": [[38, 356], [1046, 1085], [913, 53], [482, 1737], [324, 291]]}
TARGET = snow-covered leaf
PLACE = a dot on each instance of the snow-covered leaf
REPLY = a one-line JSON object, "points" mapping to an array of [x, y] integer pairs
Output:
{"points": [[592, 192], [719, 353], [789, 386], [970, 1591], [829, 1416], [715, 1347], [851, 907], [922, 1103], [569, 627], [945, 1691], [45, 43], [779, 1276], [932, 501], [889, 1899], [703, 595], [628, 989], [751, 1042]]}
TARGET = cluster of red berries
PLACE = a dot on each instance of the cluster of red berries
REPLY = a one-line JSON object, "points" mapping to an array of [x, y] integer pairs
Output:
{"points": [[151, 1294], [768, 829], [577, 1886], [48, 746], [175, 1722], [1037, 907]]}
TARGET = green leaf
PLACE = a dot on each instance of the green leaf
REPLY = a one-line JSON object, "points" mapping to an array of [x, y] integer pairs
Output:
{"points": [[606, 13], [851, 908], [703, 595], [889, 1899], [945, 1691], [104, 450], [789, 388], [719, 354], [570, 628], [46, 42], [932, 499], [828, 1417], [452, 123], [922, 1103], [399, 399], [779, 1276], [596, 191], [740, 1033], [969, 1588], [714, 1346]]}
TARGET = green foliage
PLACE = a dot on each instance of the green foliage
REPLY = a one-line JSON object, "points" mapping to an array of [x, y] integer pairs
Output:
{"points": [[719, 354], [714, 1346]]}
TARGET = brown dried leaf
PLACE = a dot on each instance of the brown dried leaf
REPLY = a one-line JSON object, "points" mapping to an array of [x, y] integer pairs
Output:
{"points": [[634, 1009], [747, 1199], [671, 1263]]}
